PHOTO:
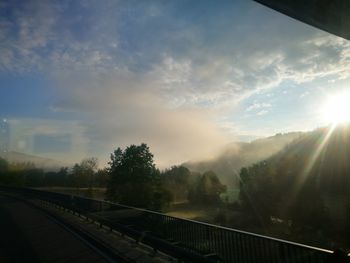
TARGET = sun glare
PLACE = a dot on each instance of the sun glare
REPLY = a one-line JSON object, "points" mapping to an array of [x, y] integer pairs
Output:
{"points": [[337, 108]]}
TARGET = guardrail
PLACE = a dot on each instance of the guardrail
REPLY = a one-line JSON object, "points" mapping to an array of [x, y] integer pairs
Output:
{"points": [[185, 239]]}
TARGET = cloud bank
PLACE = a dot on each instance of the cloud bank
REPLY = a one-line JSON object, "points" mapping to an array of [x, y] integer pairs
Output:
{"points": [[159, 72]]}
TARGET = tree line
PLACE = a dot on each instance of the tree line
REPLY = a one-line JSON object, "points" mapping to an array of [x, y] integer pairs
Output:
{"points": [[277, 196], [83, 174], [131, 178], [304, 188]]}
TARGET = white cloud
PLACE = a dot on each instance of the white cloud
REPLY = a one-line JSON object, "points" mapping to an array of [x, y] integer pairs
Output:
{"points": [[257, 105], [204, 72], [262, 112], [304, 94], [127, 108], [136, 72]]}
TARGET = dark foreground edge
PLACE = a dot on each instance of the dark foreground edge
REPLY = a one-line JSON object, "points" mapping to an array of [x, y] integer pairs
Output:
{"points": [[187, 240]]}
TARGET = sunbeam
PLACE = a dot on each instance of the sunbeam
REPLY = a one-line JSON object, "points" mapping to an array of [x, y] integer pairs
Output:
{"points": [[310, 163]]}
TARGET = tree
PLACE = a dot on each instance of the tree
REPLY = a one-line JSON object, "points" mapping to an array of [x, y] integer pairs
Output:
{"points": [[257, 193], [3, 166], [84, 172], [207, 189], [89, 167], [58, 178], [33, 177], [101, 178], [134, 179], [278, 188], [177, 181], [3, 171]]}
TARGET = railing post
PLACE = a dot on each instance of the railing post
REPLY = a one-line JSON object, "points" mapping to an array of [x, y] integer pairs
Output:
{"points": [[191, 238]]}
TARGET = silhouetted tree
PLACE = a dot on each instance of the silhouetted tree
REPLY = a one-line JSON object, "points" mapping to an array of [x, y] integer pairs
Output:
{"points": [[206, 189], [3, 165], [101, 178], [134, 179], [3, 171], [177, 181], [305, 184], [83, 173], [33, 177]]}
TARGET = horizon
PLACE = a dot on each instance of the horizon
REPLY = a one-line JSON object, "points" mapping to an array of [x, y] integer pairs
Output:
{"points": [[81, 79], [215, 157]]}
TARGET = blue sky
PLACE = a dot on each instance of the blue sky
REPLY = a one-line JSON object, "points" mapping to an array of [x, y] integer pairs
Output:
{"points": [[186, 77]]}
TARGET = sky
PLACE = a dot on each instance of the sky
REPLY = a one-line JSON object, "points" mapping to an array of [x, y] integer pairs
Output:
{"points": [[81, 78]]}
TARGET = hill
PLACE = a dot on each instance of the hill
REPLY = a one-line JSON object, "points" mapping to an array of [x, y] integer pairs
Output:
{"points": [[307, 183], [237, 155], [39, 162]]}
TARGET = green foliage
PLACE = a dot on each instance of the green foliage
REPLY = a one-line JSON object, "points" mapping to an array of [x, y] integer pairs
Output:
{"points": [[177, 180], [307, 183], [162, 198], [258, 193], [20, 174], [206, 189], [34, 177], [84, 172], [134, 180], [238, 155], [26, 174], [101, 178], [266, 192], [3, 170], [60, 178], [3, 166]]}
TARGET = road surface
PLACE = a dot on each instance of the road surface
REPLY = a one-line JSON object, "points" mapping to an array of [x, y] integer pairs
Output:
{"points": [[29, 235]]}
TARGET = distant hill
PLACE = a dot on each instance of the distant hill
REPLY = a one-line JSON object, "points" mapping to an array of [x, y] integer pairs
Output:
{"points": [[323, 153], [237, 155], [39, 162], [308, 181]]}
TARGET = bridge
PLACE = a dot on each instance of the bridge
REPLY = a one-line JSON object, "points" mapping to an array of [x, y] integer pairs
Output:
{"points": [[329, 15], [48, 225]]}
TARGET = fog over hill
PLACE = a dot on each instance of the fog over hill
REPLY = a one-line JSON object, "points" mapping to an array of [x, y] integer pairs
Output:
{"points": [[323, 156], [39, 162], [237, 155], [308, 182]]}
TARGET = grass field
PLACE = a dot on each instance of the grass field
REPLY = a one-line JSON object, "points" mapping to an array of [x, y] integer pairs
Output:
{"points": [[185, 210]]}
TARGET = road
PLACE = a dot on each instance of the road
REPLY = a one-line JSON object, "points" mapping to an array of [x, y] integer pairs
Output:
{"points": [[29, 235]]}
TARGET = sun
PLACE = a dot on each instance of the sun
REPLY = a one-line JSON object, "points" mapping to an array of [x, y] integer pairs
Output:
{"points": [[337, 108]]}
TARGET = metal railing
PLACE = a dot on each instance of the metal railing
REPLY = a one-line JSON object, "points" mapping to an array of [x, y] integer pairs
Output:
{"points": [[186, 239]]}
